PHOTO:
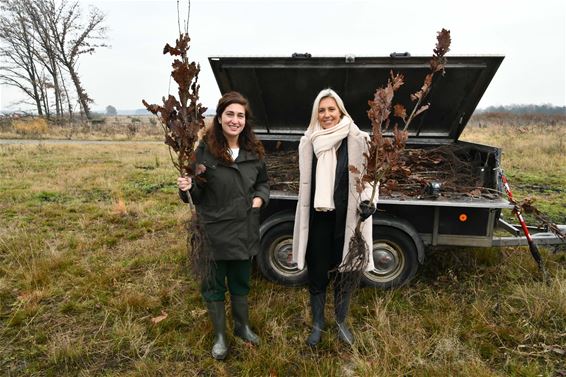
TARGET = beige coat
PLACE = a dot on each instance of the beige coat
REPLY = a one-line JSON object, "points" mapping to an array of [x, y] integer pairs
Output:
{"points": [[357, 145]]}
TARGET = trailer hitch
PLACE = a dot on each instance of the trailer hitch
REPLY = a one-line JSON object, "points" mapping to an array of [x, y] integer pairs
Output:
{"points": [[533, 248]]}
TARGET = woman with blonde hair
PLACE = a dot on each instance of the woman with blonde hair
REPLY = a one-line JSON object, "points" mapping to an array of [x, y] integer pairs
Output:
{"points": [[328, 208]]}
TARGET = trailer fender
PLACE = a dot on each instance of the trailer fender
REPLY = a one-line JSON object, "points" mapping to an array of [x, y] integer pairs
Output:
{"points": [[276, 219], [275, 258], [404, 226]]}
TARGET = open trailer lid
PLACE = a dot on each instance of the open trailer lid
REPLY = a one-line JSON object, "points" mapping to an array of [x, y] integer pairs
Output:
{"points": [[281, 90]]}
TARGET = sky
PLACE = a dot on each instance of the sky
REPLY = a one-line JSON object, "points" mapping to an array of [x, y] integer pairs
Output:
{"points": [[530, 34]]}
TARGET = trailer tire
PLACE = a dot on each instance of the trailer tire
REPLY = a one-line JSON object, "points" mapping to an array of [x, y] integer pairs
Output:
{"points": [[395, 258], [274, 259]]}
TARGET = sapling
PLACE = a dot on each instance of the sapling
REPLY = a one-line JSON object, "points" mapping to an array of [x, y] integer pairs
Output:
{"points": [[384, 153], [182, 118]]}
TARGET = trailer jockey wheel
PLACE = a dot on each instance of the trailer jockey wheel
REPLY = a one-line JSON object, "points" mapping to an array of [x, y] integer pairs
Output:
{"points": [[274, 259], [394, 257]]}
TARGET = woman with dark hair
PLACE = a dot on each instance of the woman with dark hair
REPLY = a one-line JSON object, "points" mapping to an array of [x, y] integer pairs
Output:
{"points": [[328, 208], [228, 195]]}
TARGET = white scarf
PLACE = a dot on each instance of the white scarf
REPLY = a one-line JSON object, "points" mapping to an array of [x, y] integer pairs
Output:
{"points": [[325, 142]]}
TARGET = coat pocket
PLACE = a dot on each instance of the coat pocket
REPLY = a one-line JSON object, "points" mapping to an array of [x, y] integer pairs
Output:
{"points": [[235, 211], [253, 230]]}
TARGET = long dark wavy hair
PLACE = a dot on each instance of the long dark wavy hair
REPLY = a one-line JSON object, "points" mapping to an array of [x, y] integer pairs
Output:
{"points": [[215, 140]]}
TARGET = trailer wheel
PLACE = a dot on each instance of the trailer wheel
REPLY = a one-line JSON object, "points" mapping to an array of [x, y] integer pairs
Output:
{"points": [[274, 259], [394, 257]]}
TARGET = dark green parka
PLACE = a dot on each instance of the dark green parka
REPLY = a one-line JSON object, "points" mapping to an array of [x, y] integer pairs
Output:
{"points": [[224, 203]]}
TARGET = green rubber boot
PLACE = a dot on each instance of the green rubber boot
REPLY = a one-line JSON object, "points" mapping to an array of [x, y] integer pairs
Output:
{"points": [[241, 320], [218, 318]]}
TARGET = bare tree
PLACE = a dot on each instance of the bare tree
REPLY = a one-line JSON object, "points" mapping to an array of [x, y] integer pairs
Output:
{"points": [[60, 36], [72, 38], [17, 52], [45, 51]]}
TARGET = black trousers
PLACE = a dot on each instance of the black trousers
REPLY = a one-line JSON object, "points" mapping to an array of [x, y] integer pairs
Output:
{"points": [[324, 251]]}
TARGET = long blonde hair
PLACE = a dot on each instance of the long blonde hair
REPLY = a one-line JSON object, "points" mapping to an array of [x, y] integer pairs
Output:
{"points": [[323, 94]]}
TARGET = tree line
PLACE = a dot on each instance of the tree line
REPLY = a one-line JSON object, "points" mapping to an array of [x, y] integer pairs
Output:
{"points": [[525, 109], [41, 42]]}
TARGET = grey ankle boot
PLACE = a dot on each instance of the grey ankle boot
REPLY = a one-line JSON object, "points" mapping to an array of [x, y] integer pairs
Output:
{"points": [[341, 306], [218, 319], [318, 302], [241, 320]]}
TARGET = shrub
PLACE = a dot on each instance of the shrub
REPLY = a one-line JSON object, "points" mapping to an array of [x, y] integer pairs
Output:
{"points": [[30, 126], [98, 121], [133, 127]]}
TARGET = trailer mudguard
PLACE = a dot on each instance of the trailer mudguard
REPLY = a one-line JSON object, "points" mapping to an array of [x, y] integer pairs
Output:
{"points": [[403, 225], [276, 219]]}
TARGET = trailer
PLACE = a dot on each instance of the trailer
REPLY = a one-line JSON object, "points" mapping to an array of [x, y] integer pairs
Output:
{"points": [[281, 91]]}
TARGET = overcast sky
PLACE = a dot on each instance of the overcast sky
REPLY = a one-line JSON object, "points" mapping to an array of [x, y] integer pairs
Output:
{"points": [[531, 35]]}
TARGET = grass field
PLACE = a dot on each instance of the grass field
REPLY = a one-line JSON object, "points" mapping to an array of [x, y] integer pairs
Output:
{"points": [[534, 160], [92, 248]]}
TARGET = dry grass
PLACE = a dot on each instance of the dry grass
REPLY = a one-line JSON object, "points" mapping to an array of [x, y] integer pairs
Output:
{"points": [[115, 128], [34, 127], [534, 156], [142, 127], [92, 248], [532, 147]]}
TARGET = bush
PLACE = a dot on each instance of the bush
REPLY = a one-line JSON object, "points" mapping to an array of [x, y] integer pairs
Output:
{"points": [[98, 121], [5, 124], [30, 126]]}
